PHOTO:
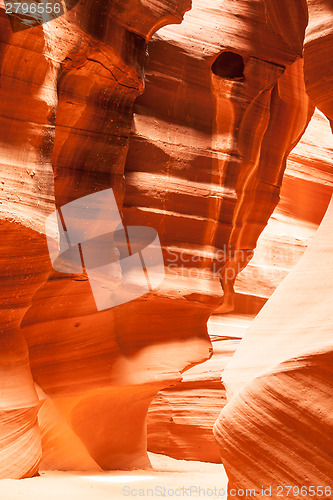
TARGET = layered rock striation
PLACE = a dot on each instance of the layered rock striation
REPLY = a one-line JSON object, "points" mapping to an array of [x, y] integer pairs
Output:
{"points": [[67, 90], [217, 172], [180, 418], [275, 429], [201, 161]]}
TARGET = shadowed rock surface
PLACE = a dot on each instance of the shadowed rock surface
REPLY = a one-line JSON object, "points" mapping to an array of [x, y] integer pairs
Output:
{"points": [[200, 158], [276, 428]]}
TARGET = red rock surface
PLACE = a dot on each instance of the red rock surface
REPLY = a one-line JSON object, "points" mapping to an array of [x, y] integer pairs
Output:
{"points": [[276, 428], [67, 90], [202, 162], [183, 415], [180, 418]]}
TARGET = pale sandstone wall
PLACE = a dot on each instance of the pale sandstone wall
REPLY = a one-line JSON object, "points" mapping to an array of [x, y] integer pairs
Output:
{"points": [[204, 165]]}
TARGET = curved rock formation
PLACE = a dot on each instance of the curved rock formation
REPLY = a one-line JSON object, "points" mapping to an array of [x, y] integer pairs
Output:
{"points": [[229, 167], [26, 175], [203, 166], [312, 18], [180, 418], [318, 69], [67, 90], [207, 175], [275, 430]]}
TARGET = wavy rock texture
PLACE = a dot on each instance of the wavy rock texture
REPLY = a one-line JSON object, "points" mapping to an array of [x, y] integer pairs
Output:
{"points": [[296, 18], [180, 418], [213, 180], [26, 175], [276, 428], [67, 90], [222, 126], [204, 167], [318, 71]]}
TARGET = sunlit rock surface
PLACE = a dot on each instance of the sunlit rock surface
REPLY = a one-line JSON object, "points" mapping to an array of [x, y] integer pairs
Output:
{"points": [[276, 428], [185, 412], [180, 418], [67, 90], [221, 104], [277, 424]]}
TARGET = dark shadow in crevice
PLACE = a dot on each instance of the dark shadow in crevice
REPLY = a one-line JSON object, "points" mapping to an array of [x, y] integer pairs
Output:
{"points": [[229, 65]]}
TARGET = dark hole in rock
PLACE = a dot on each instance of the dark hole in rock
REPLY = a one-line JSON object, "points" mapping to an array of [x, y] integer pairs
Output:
{"points": [[229, 65]]}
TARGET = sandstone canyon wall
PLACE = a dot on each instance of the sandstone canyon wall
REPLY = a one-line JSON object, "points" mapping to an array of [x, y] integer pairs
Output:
{"points": [[180, 418], [279, 381], [67, 90], [276, 428], [178, 83], [201, 161]]}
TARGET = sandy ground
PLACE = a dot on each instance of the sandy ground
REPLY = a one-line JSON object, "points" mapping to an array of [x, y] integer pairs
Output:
{"points": [[169, 479]]}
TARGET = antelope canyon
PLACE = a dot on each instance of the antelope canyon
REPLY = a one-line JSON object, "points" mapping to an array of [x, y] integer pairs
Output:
{"points": [[166, 250]]}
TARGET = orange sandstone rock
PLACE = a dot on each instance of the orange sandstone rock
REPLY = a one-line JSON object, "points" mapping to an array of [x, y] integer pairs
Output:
{"points": [[67, 90], [275, 428], [202, 163]]}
